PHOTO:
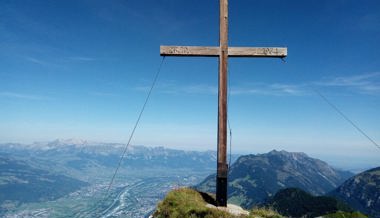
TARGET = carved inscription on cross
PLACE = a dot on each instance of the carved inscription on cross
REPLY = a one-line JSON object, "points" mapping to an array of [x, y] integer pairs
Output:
{"points": [[223, 52]]}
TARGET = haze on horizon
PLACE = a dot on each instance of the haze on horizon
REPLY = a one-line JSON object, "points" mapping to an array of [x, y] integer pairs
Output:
{"points": [[81, 69]]}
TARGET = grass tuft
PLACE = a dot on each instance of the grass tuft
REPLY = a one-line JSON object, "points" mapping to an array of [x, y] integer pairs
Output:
{"points": [[264, 213], [341, 214], [189, 203]]}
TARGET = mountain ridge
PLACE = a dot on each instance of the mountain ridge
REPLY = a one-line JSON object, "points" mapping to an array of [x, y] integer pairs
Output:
{"points": [[109, 153], [254, 178], [362, 192]]}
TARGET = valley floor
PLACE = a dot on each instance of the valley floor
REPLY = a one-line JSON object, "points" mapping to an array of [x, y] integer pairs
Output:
{"points": [[136, 198]]}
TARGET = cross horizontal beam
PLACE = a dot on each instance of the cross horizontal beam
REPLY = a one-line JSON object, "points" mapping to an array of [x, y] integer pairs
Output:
{"points": [[215, 51]]}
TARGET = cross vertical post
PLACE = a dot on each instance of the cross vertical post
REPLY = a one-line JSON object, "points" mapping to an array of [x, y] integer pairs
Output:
{"points": [[222, 167]]}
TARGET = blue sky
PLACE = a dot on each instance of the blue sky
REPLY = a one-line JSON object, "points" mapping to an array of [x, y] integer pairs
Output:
{"points": [[81, 69]]}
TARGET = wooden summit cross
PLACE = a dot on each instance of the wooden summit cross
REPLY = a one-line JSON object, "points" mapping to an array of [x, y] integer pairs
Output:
{"points": [[223, 52]]}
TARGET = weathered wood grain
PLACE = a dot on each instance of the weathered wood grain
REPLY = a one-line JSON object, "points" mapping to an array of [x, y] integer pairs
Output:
{"points": [[189, 51], [213, 51], [257, 52], [222, 167]]}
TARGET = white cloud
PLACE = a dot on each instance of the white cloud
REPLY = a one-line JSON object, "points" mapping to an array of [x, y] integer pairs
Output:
{"points": [[276, 89], [362, 84], [22, 96], [368, 83], [199, 89], [103, 94], [81, 58], [171, 87], [36, 61]]}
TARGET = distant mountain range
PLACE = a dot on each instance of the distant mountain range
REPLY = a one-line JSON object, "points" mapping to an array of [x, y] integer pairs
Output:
{"points": [[42, 172], [255, 178], [362, 192], [81, 154]]}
